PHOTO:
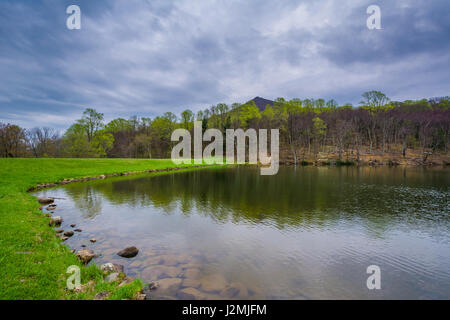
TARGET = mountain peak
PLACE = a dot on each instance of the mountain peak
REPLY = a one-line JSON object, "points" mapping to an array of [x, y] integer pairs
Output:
{"points": [[262, 103]]}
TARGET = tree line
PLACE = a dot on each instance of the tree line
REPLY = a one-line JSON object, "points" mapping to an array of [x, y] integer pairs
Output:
{"points": [[307, 127]]}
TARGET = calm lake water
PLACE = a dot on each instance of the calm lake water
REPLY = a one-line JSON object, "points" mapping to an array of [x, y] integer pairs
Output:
{"points": [[306, 233]]}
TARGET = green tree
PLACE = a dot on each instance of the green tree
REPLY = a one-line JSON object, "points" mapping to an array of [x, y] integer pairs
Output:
{"points": [[91, 122]]}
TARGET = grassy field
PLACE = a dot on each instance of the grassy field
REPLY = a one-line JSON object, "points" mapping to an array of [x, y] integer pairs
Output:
{"points": [[33, 261]]}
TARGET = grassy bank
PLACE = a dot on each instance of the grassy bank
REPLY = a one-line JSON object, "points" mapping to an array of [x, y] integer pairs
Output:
{"points": [[33, 261]]}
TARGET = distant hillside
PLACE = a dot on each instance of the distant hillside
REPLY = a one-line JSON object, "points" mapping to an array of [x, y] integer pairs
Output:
{"points": [[261, 103]]}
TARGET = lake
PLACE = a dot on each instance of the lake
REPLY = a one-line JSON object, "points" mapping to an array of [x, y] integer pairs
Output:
{"points": [[306, 233]]}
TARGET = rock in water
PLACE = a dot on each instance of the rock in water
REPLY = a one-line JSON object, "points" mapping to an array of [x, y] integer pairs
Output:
{"points": [[68, 233], [93, 240], [78, 230], [129, 252], [46, 200], [85, 255], [190, 294], [213, 283], [111, 267], [55, 221]]}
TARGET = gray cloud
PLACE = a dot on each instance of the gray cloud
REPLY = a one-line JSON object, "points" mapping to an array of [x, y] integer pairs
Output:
{"points": [[149, 57]]}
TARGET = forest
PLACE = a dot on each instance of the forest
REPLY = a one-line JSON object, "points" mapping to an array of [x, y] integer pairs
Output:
{"points": [[308, 128]]}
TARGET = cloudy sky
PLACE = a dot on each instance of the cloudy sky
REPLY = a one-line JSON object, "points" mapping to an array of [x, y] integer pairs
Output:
{"points": [[146, 57]]}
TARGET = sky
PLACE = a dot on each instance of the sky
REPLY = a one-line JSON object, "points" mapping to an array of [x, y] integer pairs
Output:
{"points": [[145, 57]]}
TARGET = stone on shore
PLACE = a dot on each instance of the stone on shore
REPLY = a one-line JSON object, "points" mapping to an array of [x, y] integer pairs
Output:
{"points": [[101, 296], [85, 255], [112, 277], [55, 221], [129, 252]]}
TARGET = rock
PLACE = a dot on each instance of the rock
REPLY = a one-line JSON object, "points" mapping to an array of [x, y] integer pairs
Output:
{"points": [[127, 280], [192, 273], [83, 246], [112, 277], [78, 230], [141, 296], [169, 285], [60, 231], [55, 221], [64, 238], [191, 283], [171, 260], [190, 294], [85, 255], [46, 200], [111, 267], [129, 252], [101, 296], [213, 283], [51, 207], [93, 240], [157, 272], [152, 286], [73, 225], [68, 233], [235, 290]]}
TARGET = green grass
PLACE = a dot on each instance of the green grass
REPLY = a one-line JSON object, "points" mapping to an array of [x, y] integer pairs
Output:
{"points": [[33, 261]]}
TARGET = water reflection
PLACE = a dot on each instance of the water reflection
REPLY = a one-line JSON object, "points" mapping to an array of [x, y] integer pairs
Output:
{"points": [[305, 233]]}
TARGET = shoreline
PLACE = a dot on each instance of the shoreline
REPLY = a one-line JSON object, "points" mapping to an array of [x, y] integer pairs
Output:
{"points": [[110, 175], [109, 269], [34, 259]]}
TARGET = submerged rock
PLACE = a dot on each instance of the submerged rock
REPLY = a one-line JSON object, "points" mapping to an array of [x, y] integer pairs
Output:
{"points": [[73, 225], [46, 200], [153, 273], [235, 290], [213, 283], [85, 255], [78, 230], [191, 283], [129, 252], [190, 294], [169, 285]]}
